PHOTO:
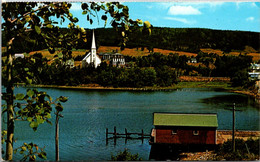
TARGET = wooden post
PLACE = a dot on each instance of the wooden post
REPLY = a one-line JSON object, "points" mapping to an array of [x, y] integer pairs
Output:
{"points": [[115, 135], [106, 136], [126, 136], [142, 133], [233, 131], [115, 131], [106, 133]]}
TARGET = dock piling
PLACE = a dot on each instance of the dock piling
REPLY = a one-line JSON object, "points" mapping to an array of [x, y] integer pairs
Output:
{"points": [[126, 135]]}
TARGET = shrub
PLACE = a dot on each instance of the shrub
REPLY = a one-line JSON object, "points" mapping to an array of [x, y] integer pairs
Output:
{"points": [[242, 147], [125, 156]]}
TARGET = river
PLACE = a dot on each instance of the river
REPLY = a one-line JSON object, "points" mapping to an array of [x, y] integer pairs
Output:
{"points": [[88, 113]]}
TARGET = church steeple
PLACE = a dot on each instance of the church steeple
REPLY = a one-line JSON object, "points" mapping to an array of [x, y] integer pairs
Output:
{"points": [[93, 51], [93, 41]]}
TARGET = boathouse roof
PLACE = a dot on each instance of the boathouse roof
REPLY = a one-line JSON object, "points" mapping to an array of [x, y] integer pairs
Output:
{"points": [[186, 120]]}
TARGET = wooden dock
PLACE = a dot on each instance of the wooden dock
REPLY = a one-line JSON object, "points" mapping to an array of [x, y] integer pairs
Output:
{"points": [[126, 135]]}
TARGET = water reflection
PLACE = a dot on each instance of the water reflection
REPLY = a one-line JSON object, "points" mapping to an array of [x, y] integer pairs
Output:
{"points": [[240, 100]]}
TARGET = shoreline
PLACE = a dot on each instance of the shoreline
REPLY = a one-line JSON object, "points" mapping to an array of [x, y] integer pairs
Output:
{"points": [[218, 85]]}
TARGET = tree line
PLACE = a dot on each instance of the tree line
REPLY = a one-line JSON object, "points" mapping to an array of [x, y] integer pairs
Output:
{"points": [[155, 69], [183, 39]]}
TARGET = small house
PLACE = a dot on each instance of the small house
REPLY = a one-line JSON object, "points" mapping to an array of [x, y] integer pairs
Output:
{"points": [[254, 73], [70, 63], [173, 128], [192, 60], [116, 59], [19, 55]]}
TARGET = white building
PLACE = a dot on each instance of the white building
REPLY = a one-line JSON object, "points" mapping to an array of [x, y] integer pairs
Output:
{"points": [[116, 59], [254, 74], [18, 55], [91, 57]]}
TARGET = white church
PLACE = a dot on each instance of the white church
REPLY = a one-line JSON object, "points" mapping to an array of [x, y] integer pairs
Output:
{"points": [[91, 57]]}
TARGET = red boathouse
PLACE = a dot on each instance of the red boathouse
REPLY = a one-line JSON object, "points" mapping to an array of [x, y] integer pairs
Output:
{"points": [[172, 128]]}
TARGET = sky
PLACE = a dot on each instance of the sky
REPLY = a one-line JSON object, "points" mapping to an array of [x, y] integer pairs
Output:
{"points": [[242, 16]]}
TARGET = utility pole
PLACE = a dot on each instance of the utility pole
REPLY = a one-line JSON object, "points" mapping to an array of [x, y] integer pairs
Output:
{"points": [[233, 126]]}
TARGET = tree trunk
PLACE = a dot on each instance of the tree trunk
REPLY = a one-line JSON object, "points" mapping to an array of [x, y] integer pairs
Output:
{"points": [[10, 110], [57, 137]]}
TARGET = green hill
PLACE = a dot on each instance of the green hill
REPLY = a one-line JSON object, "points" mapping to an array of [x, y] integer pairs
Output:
{"points": [[182, 39]]}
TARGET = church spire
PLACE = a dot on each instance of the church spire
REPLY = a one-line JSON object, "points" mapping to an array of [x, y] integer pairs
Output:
{"points": [[93, 41]]}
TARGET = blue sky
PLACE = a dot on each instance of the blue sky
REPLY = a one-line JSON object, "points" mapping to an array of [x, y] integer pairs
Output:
{"points": [[244, 16]]}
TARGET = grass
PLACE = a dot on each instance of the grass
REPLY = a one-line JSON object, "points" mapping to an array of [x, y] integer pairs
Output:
{"points": [[145, 52], [223, 85]]}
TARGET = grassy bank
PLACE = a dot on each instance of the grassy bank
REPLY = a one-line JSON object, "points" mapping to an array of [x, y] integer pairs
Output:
{"points": [[222, 85], [219, 85]]}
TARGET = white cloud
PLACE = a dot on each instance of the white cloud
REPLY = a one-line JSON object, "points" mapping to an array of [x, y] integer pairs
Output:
{"points": [[183, 10], [183, 20], [250, 19], [198, 5], [76, 6]]}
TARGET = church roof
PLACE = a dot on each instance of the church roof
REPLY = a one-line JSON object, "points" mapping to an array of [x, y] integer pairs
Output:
{"points": [[190, 120], [85, 58]]}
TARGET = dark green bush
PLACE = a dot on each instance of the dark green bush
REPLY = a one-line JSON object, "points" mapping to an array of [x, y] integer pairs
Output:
{"points": [[125, 156]]}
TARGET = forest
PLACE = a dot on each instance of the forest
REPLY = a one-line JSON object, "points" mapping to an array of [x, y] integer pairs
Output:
{"points": [[182, 39]]}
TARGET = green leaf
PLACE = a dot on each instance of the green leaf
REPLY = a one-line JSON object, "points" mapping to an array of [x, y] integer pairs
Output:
{"points": [[37, 29], [147, 24], [60, 55], [23, 148], [19, 96], [30, 93], [26, 69], [42, 155], [29, 119], [75, 19], [34, 125], [29, 81], [27, 18], [49, 26], [39, 120], [84, 12], [48, 116], [59, 107], [63, 99]]}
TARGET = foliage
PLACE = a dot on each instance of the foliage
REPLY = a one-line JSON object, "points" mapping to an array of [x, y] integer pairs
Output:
{"points": [[29, 152], [125, 156], [153, 70], [245, 150], [30, 25]]}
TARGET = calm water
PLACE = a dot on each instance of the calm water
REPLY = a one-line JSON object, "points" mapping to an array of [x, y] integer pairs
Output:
{"points": [[87, 114]]}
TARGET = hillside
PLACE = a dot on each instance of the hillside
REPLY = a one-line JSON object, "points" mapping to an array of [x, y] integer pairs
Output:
{"points": [[134, 52], [174, 39]]}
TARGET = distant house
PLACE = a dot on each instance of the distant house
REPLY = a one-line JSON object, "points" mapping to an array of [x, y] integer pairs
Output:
{"points": [[18, 55], [254, 73], [172, 128], [70, 63], [91, 57], [192, 60], [116, 59]]}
